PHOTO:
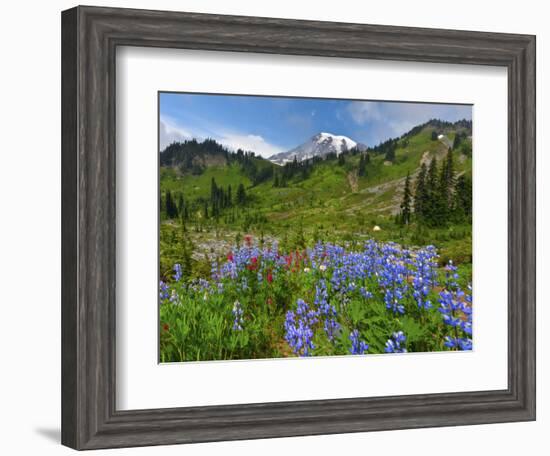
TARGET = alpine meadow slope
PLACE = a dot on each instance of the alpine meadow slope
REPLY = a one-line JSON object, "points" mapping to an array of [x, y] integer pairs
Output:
{"points": [[268, 238]]}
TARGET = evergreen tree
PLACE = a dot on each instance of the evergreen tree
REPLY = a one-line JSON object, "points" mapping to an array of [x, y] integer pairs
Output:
{"points": [[446, 186], [181, 204], [341, 159], [457, 141], [241, 195], [430, 209], [406, 203], [171, 208], [185, 213], [205, 209], [213, 191], [420, 194], [434, 135], [390, 154], [362, 166], [162, 205], [463, 198]]}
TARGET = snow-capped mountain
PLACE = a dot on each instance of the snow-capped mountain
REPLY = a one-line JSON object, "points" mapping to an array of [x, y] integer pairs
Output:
{"points": [[318, 146]]}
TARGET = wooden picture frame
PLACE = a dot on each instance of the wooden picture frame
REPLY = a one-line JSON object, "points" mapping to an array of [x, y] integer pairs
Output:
{"points": [[90, 36]]}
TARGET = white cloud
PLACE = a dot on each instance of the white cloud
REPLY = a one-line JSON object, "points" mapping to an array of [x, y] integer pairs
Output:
{"points": [[170, 132], [379, 120], [249, 142], [364, 111]]}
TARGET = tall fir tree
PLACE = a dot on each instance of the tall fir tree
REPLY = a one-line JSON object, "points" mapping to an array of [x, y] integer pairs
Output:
{"points": [[420, 193], [213, 190], [457, 140], [171, 207], [181, 205], [362, 166], [406, 203], [463, 199], [241, 195], [446, 187], [162, 204], [430, 209], [185, 213], [390, 154], [341, 159]]}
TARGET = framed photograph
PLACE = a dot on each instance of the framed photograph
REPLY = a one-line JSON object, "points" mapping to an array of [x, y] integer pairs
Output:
{"points": [[280, 228]]}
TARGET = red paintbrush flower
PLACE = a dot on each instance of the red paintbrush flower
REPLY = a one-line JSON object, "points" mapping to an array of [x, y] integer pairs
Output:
{"points": [[166, 327], [253, 264], [230, 256], [269, 277]]}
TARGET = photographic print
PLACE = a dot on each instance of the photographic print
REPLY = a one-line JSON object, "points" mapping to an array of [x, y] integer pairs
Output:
{"points": [[299, 227]]}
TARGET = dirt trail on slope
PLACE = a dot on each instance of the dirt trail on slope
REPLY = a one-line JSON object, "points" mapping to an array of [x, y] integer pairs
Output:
{"points": [[353, 181]]}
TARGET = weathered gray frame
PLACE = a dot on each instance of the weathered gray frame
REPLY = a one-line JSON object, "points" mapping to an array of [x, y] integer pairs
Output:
{"points": [[90, 36]]}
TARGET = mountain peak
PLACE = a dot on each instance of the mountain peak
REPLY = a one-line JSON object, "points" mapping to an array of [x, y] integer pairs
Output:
{"points": [[319, 145]]}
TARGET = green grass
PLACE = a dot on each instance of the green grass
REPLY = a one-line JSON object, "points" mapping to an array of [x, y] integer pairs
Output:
{"points": [[324, 205], [199, 186], [332, 205]]}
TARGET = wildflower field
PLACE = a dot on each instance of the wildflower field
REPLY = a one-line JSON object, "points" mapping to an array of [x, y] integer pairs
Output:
{"points": [[345, 237], [329, 299]]}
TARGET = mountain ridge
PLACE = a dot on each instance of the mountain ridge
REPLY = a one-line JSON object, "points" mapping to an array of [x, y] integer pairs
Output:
{"points": [[319, 145]]}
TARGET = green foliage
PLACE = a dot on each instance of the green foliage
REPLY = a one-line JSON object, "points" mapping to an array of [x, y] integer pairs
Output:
{"points": [[199, 321], [364, 160], [170, 206], [301, 203], [441, 199], [241, 195]]}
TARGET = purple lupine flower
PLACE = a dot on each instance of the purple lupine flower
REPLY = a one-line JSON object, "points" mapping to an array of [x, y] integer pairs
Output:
{"points": [[214, 273], [177, 272], [358, 347], [237, 316], [450, 308], [164, 292], [393, 280], [424, 276], [456, 311], [173, 296], [365, 293], [451, 276], [326, 310], [460, 343], [396, 343], [298, 328]]}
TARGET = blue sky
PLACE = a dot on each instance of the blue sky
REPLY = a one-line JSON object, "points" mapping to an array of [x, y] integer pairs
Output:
{"points": [[268, 125]]}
